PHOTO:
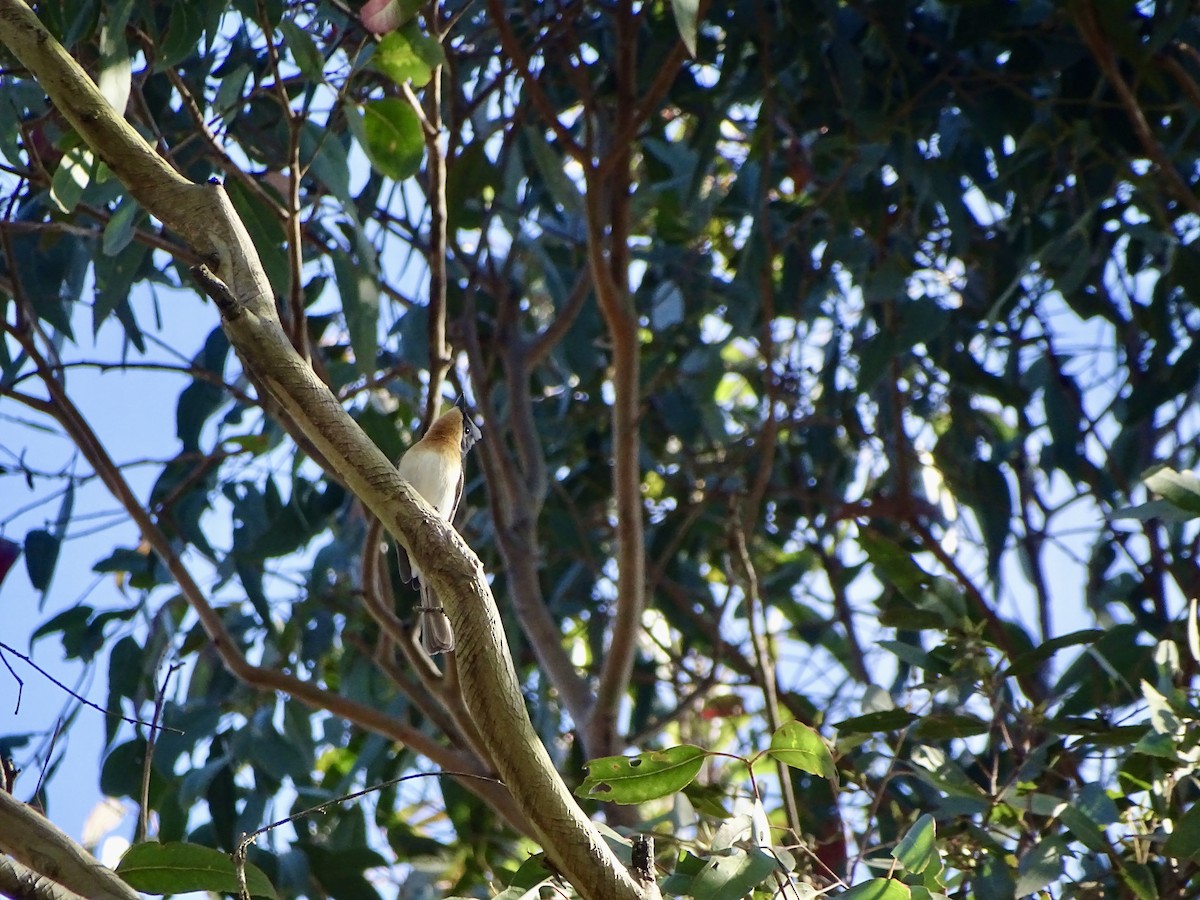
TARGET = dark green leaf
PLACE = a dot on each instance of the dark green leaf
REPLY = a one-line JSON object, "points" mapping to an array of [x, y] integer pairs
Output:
{"points": [[873, 723], [941, 726], [1029, 662], [325, 154], [1041, 865], [308, 58], [182, 36], [1184, 839], [359, 291], [41, 556], [176, 868], [262, 221], [732, 874]]}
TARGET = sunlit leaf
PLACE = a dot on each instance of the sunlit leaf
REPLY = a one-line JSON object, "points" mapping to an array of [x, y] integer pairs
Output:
{"points": [[647, 776], [879, 889], [395, 142], [918, 848], [1181, 489], [686, 14], [800, 747], [408, 54]]}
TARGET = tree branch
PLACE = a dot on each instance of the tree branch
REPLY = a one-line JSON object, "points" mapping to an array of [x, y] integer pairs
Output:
{"points": [[23, 883], [35, 842], [1090, 30], [608, 250]]}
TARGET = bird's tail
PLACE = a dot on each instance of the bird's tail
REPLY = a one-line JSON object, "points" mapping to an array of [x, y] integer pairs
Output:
{"points": [[432, 625]]}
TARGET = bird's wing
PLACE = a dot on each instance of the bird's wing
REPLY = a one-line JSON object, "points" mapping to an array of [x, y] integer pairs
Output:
{"points": [[404, 564], [458, 492]]}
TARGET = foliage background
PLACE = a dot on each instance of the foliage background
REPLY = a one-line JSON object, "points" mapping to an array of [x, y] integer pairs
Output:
{"points": [[882, 311]]}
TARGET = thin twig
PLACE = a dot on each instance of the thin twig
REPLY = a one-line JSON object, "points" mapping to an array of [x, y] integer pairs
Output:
{"points": [[756, 620], [58, 724], [435, 166], [84, 700], [17, 679], [1089, 27], [239, 855], [545, 106], [151, 740]]}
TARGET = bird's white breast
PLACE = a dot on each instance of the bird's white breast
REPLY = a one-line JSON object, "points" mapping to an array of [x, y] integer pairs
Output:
{"points": [[434, 476]]}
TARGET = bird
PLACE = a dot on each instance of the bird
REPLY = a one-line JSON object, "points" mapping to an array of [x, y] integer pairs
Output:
{"points": [[434, 466]]}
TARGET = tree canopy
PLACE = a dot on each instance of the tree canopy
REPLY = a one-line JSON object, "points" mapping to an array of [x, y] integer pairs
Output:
{"points": [[837, 374]]}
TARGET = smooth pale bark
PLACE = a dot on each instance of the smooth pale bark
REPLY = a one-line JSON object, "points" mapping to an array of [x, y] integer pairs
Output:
{"points": [[34, 842]]}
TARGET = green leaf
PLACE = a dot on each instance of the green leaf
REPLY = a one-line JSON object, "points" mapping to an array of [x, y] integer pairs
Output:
{"points": [[394, 140], [994, 879], [1164, 510], [322, 150], [120, 228], [177, 868], [41, 556], [116, 68], [913, 655], [1141, 880], [182, 38], [873, 723], [308, 58], [562, 189], [895, 566], [878, 889], [115, 276], [1042, 864], [1180, 488], [942, 726], [647, 776], [1031, 660], [686, 15], [359, 290], [408, 54], [200, 399], [1083, 828], [72, 177], [918, 848], [1184, 840], [800, 747], [733, 874]]}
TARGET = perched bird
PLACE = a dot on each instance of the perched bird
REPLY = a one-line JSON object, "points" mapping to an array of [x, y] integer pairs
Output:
{"points": [[434, 466]]}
